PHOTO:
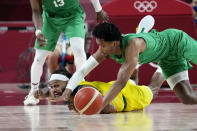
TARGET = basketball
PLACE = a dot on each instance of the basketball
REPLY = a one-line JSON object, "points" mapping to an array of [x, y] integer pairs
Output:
{"points": [[88, 101]]}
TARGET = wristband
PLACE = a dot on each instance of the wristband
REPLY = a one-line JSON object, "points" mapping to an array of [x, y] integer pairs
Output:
{"points": [[38, 32]]}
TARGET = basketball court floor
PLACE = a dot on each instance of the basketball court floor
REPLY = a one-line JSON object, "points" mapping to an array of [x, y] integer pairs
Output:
{"points": [[156, 117]]}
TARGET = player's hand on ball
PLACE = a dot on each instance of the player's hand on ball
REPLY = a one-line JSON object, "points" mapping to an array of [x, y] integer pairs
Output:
{"points": [[71, 105], [42, 41], [102, 16]]}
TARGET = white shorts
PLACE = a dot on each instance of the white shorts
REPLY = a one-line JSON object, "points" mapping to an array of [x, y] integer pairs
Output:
{"points": [[176, 78]]}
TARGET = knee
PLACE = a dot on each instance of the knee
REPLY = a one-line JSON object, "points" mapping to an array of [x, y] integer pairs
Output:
{"points": [[40, 57], [39, 60]]}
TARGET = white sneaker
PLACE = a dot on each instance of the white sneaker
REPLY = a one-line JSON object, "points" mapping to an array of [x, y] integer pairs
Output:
{"points": [[146, 24], [30, 100]]}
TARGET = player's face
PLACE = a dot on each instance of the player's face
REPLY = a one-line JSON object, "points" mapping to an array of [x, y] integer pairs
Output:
{"points": [[106, 46], [57, 87]]}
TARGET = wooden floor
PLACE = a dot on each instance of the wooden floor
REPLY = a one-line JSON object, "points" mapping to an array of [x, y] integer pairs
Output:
{"points": [[167, 115], [158, 116]]}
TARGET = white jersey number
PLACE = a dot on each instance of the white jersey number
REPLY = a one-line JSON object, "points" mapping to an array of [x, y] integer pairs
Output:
{"points": [[58, 3]]}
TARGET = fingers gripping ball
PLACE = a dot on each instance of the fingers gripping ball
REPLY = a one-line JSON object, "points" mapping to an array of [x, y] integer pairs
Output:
{"points": [[88, 101]]}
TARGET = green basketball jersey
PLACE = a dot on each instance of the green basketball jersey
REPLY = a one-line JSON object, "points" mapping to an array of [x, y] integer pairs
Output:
{"points": [[61, 16], [156, 47], [172, 49], [59, 7]]}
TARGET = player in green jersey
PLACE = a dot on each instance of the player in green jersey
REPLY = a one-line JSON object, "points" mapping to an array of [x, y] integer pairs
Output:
{"points": [[172, 49], [58, 16]]}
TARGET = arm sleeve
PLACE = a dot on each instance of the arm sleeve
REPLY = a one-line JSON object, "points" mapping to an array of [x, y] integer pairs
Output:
{"points": [[79, 75], [97, 5]]}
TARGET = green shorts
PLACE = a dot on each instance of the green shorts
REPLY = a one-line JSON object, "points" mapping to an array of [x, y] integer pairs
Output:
{"points": [[183, 49], [72, 25]]}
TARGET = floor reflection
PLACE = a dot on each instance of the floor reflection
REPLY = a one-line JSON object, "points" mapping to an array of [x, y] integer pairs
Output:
{"points": [[167, 117], [45, 116], [131, 121], [33, 115]]}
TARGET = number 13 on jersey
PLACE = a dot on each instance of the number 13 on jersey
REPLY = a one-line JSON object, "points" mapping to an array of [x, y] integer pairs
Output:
{"points": [[58, 3]]}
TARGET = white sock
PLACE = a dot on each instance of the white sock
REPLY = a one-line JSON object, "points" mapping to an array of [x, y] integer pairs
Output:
{"points": [[77, 46], [37, 68]]}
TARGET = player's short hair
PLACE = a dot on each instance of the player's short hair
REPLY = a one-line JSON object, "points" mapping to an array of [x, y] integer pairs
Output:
{"points": [[63, 72], [107, 31]]}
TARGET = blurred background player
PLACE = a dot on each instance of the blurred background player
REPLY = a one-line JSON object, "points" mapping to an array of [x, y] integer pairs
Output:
{"points": [[131, 98], [61, 56], [57, 16]]}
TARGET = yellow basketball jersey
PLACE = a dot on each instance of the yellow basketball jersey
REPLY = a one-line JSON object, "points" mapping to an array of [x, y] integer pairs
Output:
{"points": [[132, 97]]}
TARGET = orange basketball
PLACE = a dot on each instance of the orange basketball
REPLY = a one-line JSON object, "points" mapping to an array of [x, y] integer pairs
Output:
{"points": [[88, 101]]}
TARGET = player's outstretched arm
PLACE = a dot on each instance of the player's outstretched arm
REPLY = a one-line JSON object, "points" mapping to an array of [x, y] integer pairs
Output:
{"points": [[101, 14], [80, 74], [125, 71]]}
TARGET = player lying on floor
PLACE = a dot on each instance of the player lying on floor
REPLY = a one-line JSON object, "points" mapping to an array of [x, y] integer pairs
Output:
{"points": [[132, 97]]}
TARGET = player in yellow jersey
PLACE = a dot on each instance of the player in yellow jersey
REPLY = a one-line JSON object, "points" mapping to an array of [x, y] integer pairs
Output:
{"points": [[132, 97]]}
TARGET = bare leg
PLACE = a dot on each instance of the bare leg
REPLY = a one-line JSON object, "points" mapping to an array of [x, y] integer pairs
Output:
{"points": [[134, 76], [53, 61], [185, 92], [156, 82]]}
